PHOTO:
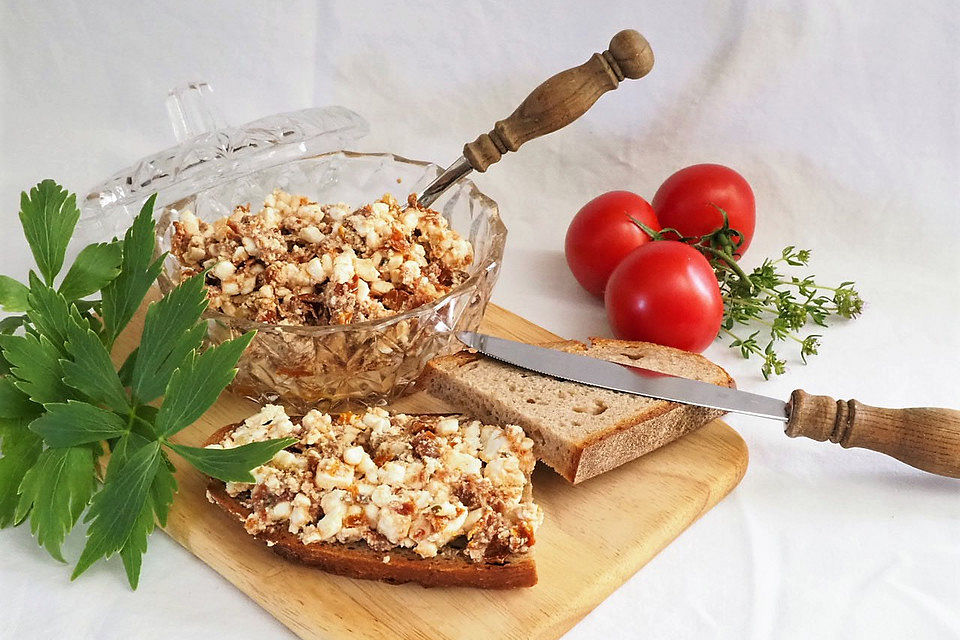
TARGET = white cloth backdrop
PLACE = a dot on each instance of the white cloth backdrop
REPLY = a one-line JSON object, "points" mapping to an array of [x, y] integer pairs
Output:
{"points": [[845, 118]]}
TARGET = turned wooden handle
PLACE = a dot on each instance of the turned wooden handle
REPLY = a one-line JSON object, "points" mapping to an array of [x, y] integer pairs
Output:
{"points": [[563, 98], [927, 439]]}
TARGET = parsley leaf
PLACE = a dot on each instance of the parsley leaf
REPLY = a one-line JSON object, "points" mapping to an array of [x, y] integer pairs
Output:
{"points": [[123, 295], [131, 553], [21, 448], [14, 404], [124, 448], [232, 465], [155, 510], [36, 364], [171, 331], [198, 383], [61, 395], [126, 369], [11, 323], [143, 423], [163, 489], [74, 423], [48, 215], [91, 371], [13, 295], [57, 488], [95, 267], [49, 311], [116, 508]]}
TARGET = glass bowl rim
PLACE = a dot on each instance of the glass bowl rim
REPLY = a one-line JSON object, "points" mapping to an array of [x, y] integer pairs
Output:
{"points": [[498, 230]]}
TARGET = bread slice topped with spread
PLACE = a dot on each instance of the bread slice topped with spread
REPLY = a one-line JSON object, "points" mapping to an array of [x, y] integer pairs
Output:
{"points": [[438, 500], [580, 431]]}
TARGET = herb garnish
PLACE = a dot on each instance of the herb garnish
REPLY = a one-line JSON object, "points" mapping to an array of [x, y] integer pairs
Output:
{"points": [[64, 406], [779, 303]]}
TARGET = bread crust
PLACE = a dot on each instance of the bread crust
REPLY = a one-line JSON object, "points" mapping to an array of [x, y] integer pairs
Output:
{"points": [[664, 423], [357, 560], [620, 442]]}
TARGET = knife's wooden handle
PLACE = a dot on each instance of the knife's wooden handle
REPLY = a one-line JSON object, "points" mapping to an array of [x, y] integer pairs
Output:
{"points": [[563, 98], [927, 439]]}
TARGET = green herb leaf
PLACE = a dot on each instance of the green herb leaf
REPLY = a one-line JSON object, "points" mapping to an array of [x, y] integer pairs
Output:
{"points": [[55, 491], [13, 295], [49, 311], [48, 215], [126, 369], [35, 362], [116, 508], [170, 332], [21, 448], [59, 386], [125, 447], [232, 465], [15, 404], [198, 383], [144, 425], [163, 489], [131, 553], [11, 323], [95, 267], [91, 371], [155, 510], [74, 423], [123, 295]]}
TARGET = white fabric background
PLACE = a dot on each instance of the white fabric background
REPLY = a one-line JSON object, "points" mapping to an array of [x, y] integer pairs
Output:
{"points": [[845, 118]]}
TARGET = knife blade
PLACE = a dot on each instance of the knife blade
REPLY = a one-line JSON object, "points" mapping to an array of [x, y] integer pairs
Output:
{"points": [[451, 174], [625, 378]]}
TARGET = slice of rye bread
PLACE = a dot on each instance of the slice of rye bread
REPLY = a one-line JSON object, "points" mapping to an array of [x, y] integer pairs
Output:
{"points": [[450, 568], [578, 430]]}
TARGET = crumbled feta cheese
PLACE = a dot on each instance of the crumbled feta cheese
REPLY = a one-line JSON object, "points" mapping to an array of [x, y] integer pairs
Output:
{"points": [[311, 234], [316, 270], [448, 426], [284, 459], [392, 481], [190, 223], [223, 270], [281, 511], [353, 455], [296, 262]]}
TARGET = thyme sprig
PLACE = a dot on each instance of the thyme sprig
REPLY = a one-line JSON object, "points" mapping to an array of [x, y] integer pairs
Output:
{"points": [[777, 304]]}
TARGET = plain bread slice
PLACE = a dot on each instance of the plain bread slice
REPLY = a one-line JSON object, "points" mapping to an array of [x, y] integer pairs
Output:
{"points": [[580, 431]]}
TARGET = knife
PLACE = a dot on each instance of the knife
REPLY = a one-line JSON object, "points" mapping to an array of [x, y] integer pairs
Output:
{"points": [[925, 438]]}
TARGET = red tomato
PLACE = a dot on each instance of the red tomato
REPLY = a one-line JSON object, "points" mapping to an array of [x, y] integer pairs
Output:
{"points": [[685, 202], [665, 292], [602, 234]]}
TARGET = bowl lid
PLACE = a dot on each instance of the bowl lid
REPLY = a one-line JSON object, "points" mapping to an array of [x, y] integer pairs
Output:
{"points": [[209, 152]]}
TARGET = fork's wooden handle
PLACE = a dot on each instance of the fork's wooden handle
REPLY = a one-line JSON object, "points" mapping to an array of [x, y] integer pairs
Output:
{"points": [[563, 98], [927, 439]]}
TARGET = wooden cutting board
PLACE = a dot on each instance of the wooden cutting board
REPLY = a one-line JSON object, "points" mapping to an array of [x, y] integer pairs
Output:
{"points": [[594, 537]]}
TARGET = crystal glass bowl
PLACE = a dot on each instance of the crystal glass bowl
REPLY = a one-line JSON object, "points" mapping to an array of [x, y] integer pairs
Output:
{"points": [[324, 366]]}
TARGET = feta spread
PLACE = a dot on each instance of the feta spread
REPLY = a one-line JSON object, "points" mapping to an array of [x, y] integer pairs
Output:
{"points": [[298, 262], [392, 481]]}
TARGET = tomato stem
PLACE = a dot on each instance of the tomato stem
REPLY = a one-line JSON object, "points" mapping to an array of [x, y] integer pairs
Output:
{"points": [[728, 260]]}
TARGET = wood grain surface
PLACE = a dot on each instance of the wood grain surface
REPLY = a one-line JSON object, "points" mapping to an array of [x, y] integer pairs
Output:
{"points": [[927, 438], [563, 98], [594, 537]]}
